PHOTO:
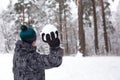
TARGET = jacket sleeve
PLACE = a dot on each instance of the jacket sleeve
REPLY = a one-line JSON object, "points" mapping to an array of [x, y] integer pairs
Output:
{"points": [[54, 59]]}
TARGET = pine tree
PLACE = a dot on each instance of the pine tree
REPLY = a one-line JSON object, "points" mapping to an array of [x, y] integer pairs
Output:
{"points": [[104, 26], [81, 29], [22, 9], [95, 27], [8, 28]]}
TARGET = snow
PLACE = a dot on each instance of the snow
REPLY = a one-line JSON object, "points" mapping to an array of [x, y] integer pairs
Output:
{"points": [[74, 11], [72, 68], [6, 67], [47, 29]]}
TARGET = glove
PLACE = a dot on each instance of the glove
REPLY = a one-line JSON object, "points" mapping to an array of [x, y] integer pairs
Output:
{"points": [[51, 39]]}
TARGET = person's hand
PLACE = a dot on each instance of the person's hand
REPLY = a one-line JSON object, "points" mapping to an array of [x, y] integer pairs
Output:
{"points": [[51, 39]]}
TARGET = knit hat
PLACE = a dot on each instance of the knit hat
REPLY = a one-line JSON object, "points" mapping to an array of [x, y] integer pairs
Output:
{"points": [[27, 34]]}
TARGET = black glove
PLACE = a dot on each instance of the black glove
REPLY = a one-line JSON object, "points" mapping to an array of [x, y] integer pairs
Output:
{"points": [[51, 39]]}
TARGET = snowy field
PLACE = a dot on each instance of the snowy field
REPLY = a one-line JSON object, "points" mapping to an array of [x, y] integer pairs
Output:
{"points": [[72, 68]]}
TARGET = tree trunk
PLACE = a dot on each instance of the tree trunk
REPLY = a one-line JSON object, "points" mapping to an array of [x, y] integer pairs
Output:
{"points": [[104, 27], [81, 29], [95, 27], [60, 19], [65, 31], [23, 13]]}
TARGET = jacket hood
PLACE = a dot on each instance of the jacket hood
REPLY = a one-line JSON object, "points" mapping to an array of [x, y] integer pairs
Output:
{"points": [[24, 48]]}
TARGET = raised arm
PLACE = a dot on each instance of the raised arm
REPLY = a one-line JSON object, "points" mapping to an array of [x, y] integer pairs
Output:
{"points": [[54, 59]]}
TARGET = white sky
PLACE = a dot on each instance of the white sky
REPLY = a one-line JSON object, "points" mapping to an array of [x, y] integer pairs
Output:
{"points": [[4, 4], [114, 4]]}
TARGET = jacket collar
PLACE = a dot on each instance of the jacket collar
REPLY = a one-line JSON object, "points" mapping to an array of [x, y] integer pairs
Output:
{"points": [[25, 47]]}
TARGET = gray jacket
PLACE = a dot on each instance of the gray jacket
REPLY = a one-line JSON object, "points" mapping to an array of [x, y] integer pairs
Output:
{"points": [[30, 65]]}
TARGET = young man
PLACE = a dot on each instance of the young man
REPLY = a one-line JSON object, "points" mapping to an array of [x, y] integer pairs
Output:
{"points": [[30, 65]]}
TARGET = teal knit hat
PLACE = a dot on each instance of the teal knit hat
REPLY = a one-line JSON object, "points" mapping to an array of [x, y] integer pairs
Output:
{"points": [[27, 34]]}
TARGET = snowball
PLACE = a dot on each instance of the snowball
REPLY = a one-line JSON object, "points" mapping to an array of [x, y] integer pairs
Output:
{"points": [[48, 29]]}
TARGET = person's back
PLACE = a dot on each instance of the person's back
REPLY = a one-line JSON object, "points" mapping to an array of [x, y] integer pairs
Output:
{"points": [[30, 65]]}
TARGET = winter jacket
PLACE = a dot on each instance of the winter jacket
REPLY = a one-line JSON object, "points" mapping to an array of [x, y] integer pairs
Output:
{"points": [[30, 65]]}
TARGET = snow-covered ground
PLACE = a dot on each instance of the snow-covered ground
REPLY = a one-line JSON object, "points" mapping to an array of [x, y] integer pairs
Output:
{"points": [[72, 68]]}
